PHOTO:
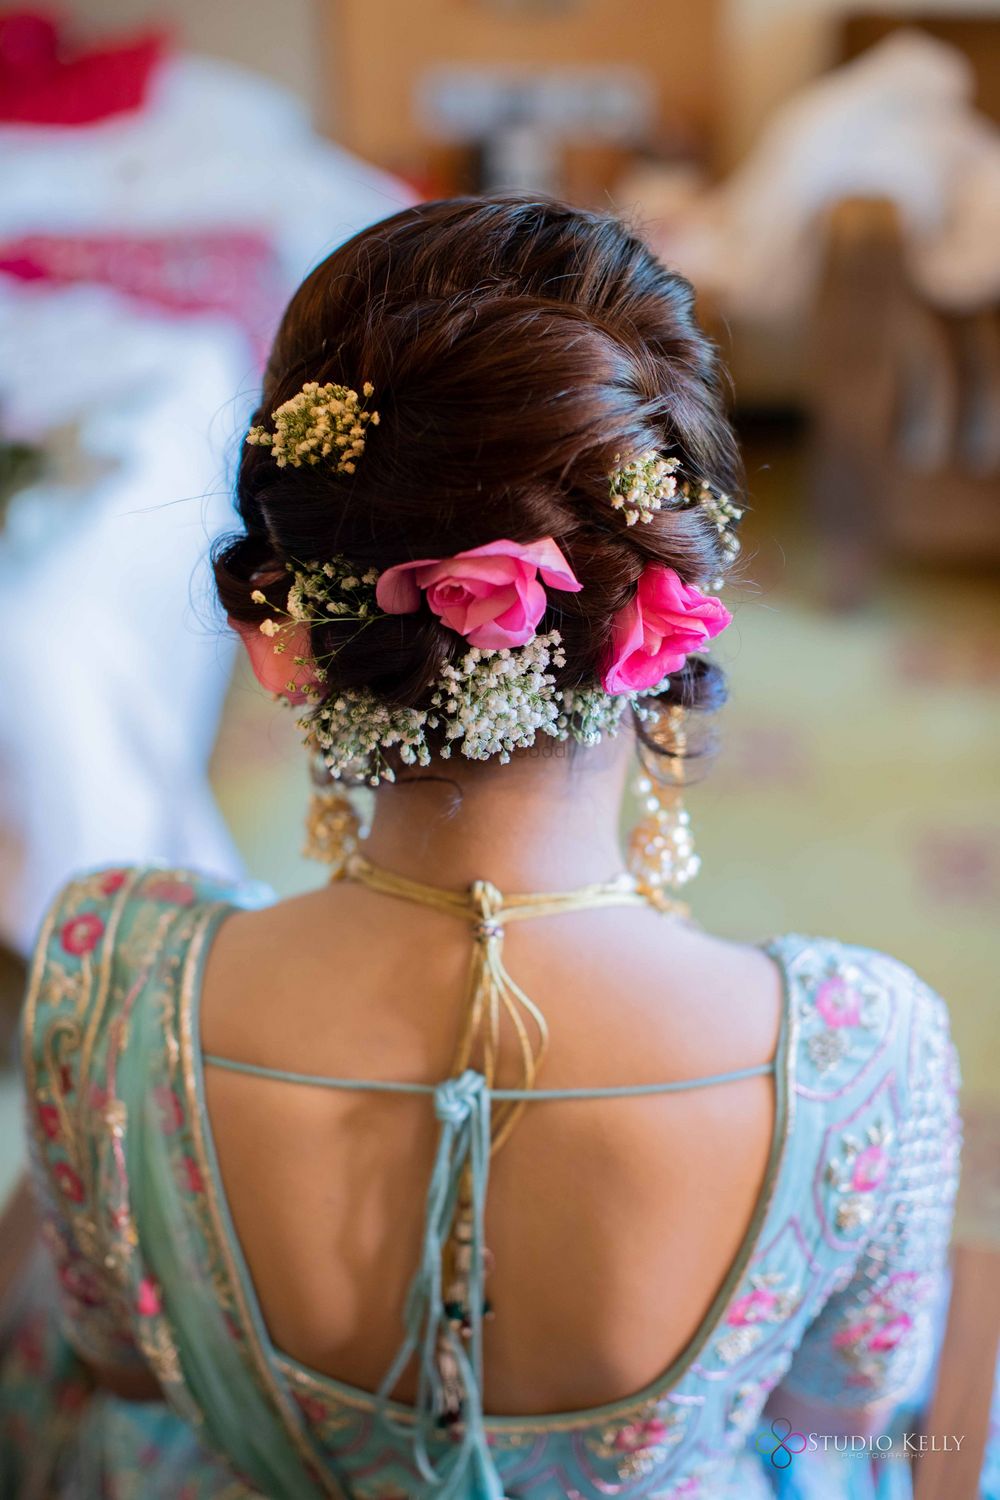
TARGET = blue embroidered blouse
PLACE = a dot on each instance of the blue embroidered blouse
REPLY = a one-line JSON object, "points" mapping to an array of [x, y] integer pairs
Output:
{"points": [[832, 1297]]}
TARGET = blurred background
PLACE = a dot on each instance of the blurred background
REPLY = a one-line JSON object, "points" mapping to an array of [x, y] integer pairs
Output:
{"points": [[828, 175]]}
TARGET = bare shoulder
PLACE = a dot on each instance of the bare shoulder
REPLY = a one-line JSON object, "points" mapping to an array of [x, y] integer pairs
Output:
{"points": [[741, 994]]}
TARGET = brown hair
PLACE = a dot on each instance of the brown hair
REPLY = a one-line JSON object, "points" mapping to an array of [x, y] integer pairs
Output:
{"points": [[520, 350]]}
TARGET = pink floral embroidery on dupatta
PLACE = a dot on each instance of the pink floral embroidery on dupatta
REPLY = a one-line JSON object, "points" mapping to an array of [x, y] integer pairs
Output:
{"points": [[81, 934]]}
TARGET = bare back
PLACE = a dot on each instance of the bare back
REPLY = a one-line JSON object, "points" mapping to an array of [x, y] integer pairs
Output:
{"points": [[613, 1223]]}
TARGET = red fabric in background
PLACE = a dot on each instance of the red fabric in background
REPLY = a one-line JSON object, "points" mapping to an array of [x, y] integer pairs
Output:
{"points": [[44, 82], [232, 273]]}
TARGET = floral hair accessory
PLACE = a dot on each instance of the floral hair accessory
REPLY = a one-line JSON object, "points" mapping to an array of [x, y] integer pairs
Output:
{"points": [[487, 703], [491, 595], [654, 633], [322, 421], [643, 487], [318, 594], [724, 515], [639, 489]]}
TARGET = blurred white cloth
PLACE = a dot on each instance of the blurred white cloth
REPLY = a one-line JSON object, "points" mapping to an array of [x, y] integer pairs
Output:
{"points": [[114, 666], [113, 670], [215, 146], [896, 123]]}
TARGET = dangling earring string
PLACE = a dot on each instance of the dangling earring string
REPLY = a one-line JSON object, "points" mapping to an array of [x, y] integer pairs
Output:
{"points": [[661, 851]]}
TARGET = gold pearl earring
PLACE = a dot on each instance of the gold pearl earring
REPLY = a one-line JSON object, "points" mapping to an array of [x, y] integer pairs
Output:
{"points": [[336, 822], [661, 853]]}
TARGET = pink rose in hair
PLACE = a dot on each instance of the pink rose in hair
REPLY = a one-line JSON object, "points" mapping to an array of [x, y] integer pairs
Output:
{"points": [[491, 594], [654, 633]]}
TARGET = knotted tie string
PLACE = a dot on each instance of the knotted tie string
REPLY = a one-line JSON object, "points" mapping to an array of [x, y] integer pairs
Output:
{"points": [[461, 1165]]}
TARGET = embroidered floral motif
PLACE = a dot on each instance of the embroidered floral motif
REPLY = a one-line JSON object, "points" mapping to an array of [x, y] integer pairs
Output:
{"points": [[170, 1107], [640, 1445], [69, 1181], [826, 1049], [148, 1303], [855, 1174], [883, 1323], [191, 1175], [321, 1412], [81, 934], [767, 1301], [838, 1002], [174, 892], [837, 999]]}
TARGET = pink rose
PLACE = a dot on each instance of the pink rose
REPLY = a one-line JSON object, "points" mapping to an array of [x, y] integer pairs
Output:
{"points": [[80, 935], [112, 881], [491, 594], [657, 630]]}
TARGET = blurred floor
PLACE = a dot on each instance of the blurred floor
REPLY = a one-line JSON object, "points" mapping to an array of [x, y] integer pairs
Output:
{"points": [[855, 793]]}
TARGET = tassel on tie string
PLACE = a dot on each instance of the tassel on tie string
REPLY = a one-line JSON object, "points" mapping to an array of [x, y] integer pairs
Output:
{"points": [[462, 1106]]}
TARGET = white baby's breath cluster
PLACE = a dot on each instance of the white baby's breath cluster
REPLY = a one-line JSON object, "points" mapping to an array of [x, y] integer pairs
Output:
{"points": [[488, 703], [639, 489], [352, 732], [320, 593], [320, 422], [721, 511], [591, 713], [335, 589], [495, 702]]}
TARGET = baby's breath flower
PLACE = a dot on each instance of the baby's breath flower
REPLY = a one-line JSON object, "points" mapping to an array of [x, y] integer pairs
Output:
{"points": [[269, 627], [257, 597], [488, 703], [640, 488], [721, 511], [321, 421]]}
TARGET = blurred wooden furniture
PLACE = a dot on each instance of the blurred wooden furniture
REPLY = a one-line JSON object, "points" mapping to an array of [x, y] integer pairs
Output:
{"points": [[960, 1405], [380, 55], [905, 403]]}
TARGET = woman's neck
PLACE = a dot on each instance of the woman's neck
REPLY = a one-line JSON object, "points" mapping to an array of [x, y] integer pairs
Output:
{"points": [[544, 822]]}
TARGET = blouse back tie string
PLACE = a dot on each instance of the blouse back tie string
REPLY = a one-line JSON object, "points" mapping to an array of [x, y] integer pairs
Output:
{"points": [[449, 1358], [447, 1299], [493, 996]]}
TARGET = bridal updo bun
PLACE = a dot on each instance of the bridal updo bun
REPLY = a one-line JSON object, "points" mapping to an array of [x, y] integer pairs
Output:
{"points": [[520, 351]]}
